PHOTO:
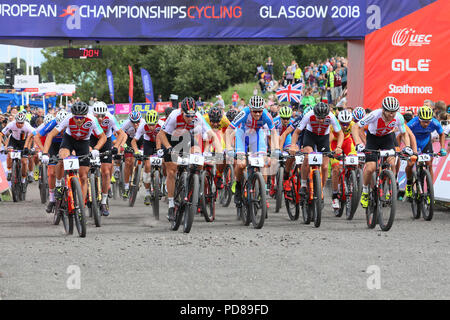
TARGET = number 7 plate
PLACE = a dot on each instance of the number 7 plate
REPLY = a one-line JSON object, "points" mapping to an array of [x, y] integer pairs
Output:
{"points": [[71, 163]]}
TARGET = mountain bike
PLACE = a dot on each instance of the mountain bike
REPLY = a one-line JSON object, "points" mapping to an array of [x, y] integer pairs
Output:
{"points": [[383, 192], [208, 187], [135, 177], [187, 186], [18, 188], [277, 182], [226, 194], [292, 197], [94, 193], [155, 184], [253, 206], [422, 199], [348, 186]]}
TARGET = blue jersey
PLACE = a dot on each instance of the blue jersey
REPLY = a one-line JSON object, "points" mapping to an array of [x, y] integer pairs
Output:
{"points": [[246, 122], [49, 127], [423, 135], [294, 124]]}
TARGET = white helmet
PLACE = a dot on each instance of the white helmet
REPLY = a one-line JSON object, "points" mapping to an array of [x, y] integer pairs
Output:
{"points": [[61, 115], [390, 104], [49, 117], [20, 117], [256, 102], [345, 116], [100, 108]]}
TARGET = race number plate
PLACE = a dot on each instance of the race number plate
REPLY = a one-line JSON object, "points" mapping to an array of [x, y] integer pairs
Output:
{"points": [[209, 159], [256, 161], [387, 153], [197, 159], [423, 157], [183, 161], [95, 161], [15, 154], [155, 161], [361, 155], [351, 160], [315, 158], [299, 159], [71, 163]]}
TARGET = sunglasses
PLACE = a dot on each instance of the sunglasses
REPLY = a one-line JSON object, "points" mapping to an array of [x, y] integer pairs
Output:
{"points": [[425, 121], [345, 124], [189, 115], [79, 117], [256, 111]]}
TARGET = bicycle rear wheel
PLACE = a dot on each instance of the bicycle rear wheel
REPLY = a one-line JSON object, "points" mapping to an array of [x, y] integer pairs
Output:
{"points": [[342, 197], [189, 213], [415, 197], [279, 188], [79, 212], [155, 201], [257, 196], [317, 209], [94, 209], [43, 183], [371, 210], [226, 194], [352, 195], [207, 198], [387, 200], [134, 188], [290, 200], [427, 199]]}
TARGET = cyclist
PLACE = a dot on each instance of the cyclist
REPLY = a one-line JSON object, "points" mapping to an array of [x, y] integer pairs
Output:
{"points": [[231, 114], [380, 135], [181, 127], [78, 127], [20, 139], [348, 147], [130, 126], [422, 126], [149, 130], [249, 133], [108, 123], [53, 165], [317, 135]]}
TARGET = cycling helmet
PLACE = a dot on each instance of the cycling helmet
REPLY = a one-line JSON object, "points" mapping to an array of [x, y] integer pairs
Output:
{"points": [[256, 102], [285, 112], [100, 107], [390, 104], [231, 114], [307, 109], [188, 105], [345, 116], [135, 116], [49, 117], [168, 111], [61, 115], [425, 113], [79, 108], [151, 117], [215, 114], [20, 117], [321, 110], [358, 113]]}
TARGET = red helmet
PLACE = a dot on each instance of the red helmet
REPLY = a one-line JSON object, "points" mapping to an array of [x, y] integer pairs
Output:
{"points": [[188, 105]]}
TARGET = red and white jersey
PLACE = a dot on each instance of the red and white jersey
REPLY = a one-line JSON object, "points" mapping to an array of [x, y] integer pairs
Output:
{"points": [[378, 127], [19, 133], [108, 124], [149, 134], [161, 121], [313, 125], [176, 126], [129, 129], [84, 132]]}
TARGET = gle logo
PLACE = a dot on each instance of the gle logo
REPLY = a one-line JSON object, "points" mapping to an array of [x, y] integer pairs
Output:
{"points": [[401, 37], [73, 20]]}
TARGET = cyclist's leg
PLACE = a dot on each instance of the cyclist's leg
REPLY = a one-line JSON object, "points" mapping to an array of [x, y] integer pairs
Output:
{"points": [[240, 151], [149, 149]]}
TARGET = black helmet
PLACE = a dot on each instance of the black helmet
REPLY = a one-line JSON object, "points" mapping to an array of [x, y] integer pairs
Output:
{"points": [[79, 108], [215, 114], [188, 105], [168, 111], [321, 110], [231, 114]]}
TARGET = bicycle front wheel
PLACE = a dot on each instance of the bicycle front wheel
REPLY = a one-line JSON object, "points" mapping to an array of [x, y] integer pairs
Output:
{"points": [[279, 188], [257, 197], [78, 214], [207, 198], [16, 175], [94, 209], [226, 194], [427, 199], [192, 208], [155, 201], [371, 210], [134, 188], [317, 198], [415, 197], [180, 207], [387, 199], [352, 195], [43, 183]]}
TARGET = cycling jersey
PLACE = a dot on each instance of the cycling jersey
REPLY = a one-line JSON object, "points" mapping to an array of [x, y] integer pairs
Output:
{"points": [[19, 133], [108, 124], [149, 134], [129, 129], [346, 130], [246, 122], [423, 135], [312, 124], [84, 132], [176, 125], [280, 129], [223, 124], [378, 127]]}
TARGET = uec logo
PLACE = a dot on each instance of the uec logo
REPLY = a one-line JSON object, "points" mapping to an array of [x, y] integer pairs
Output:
{"points": [[402, 36]]}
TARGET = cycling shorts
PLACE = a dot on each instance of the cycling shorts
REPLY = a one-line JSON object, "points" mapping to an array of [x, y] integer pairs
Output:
{"points": [[81, 148], [149, 148], [53, 152], [106, 147], [321, 142], [16, 144], [253, 141], [386, 142]]}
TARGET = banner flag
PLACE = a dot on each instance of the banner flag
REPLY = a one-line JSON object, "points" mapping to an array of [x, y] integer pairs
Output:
{"points": [[130, 90], [109, 76], [148, 87]]}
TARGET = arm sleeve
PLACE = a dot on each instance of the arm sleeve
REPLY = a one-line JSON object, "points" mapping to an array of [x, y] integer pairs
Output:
{"points": [[62, 125], [240, 118], [169, 126], [139, 131], [268, 120], [97, 129]]}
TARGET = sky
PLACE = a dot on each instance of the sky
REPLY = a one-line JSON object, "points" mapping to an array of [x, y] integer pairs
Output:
{"points": [[38, 57]]}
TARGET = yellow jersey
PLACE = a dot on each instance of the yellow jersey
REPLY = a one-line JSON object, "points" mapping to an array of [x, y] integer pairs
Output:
{"points": [[224, 122]]}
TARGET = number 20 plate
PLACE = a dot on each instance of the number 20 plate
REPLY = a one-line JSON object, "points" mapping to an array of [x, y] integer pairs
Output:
{"points": [[351, 160], [155, 161], [71, 164], [315, 158], [424, 157]]}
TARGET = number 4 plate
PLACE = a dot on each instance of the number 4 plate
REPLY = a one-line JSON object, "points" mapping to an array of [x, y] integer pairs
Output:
{"points": [[256, 161], [315, 158], [155, 161], [424, 157], [351, 160], [71, 164]]}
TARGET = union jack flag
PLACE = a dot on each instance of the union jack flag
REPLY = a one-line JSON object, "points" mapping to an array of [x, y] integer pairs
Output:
{"points": [[291, 93]]}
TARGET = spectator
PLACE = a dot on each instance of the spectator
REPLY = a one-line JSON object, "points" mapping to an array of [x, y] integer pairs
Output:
{"points": [[298, 75], [259, 71], [331, 91], [338, 80], [220, 102], [242, 103], [440, 107], [255, 91], [39, 115], [289, 75], [269, 65], [160, 98], [308, 98], [199, 102], [344, 75], [409, 114], [234, 98]]}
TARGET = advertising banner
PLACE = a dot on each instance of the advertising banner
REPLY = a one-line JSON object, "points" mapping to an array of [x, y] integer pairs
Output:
{"points": [[110, 79], [130, 89], [123, 108], [148, 87], [406, 59], [4, 184], [126, 108]]}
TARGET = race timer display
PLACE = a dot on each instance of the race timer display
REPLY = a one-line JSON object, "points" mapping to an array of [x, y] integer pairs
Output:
{"points": [[82, 53]]}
